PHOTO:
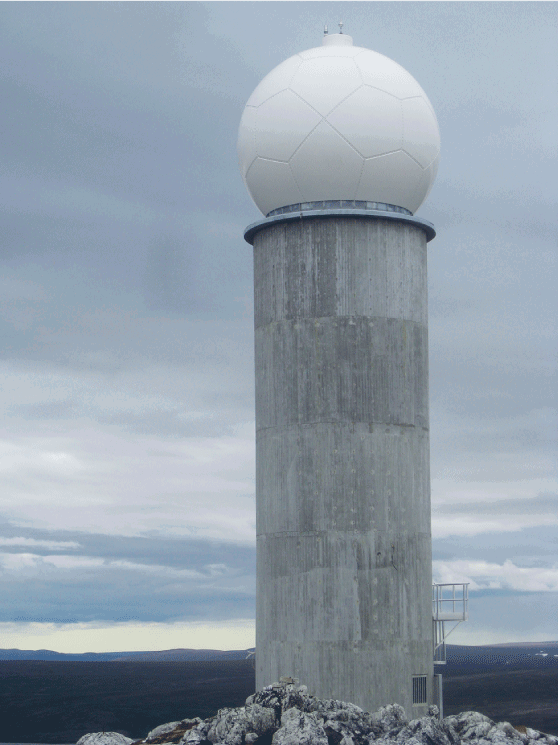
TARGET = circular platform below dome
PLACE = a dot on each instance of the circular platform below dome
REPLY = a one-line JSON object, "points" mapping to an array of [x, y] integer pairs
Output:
{"points": [[368, 214]]}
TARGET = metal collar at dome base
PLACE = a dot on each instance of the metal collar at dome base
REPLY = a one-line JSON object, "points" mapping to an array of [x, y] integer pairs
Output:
{"points": [[256, 227], [335, 204]]}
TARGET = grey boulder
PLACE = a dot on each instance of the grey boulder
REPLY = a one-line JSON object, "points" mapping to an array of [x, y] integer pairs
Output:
{"points": [[230, 726], [163, 729], [300, 728], [104, 738]]}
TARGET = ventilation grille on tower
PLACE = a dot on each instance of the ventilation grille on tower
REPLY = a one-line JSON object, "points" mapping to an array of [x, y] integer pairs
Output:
{"points": [[419, 686]]}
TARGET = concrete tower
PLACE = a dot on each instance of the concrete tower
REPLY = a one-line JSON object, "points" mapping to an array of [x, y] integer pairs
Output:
{"points": [[338, 147]]}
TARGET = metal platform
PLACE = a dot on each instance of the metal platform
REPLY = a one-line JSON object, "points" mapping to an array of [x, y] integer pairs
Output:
{"points": [[449, 604]]}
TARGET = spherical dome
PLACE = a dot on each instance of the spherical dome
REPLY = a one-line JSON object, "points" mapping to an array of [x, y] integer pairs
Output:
{"points": [[338, 122]]}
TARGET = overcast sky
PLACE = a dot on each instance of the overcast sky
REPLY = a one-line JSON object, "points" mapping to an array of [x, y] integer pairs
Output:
{"points": [[127, 432]]}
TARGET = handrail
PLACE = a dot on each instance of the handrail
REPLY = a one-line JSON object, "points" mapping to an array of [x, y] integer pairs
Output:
{"points": [[453, 608], [458, 601]]}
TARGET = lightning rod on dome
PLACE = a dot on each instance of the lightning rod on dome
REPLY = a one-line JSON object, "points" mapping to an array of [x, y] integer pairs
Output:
{"points": [[326, 30], [340, 25]]}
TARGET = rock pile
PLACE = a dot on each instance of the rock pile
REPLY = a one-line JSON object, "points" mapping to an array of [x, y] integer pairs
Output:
{"points": [[284, 714]]}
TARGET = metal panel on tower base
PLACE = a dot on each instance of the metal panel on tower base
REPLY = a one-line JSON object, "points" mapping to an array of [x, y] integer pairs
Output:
{"points": [[343, 491]]}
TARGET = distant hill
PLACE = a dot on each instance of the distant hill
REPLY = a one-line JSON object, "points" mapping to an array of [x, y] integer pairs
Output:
{"points": [[167, 655], [529, 655], [526, 644], [479, 656]]}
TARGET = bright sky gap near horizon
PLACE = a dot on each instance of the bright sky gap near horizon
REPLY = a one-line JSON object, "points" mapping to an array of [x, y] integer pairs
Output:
{"points": [[127, 435]]}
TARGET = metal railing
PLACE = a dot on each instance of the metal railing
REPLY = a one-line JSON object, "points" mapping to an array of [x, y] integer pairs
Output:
{"points": [[449, 603]]}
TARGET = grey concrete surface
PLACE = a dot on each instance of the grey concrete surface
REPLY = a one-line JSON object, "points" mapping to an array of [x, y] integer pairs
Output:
{"points": [[343, 480]]}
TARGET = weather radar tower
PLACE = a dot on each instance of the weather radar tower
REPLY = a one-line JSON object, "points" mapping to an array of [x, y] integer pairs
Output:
{"points": [[338, 147]]}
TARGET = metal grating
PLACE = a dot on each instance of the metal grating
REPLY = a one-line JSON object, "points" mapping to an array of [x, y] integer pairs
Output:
{"points": [[419, 690]]}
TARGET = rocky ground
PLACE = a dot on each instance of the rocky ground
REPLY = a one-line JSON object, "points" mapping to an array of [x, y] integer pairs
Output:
{"points": [[284, 714]]}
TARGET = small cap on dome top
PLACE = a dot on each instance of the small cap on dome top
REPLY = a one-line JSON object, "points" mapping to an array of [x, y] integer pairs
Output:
{"points": [[339, 40]]}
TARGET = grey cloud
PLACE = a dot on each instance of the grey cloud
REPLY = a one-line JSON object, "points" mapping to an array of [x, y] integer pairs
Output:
{"points": [[546, 503], [528, 615], [474, 438], [166, 424], [128, 304], [54, 410], [95, 597], [186, 553], [124, 586], [182, 275], [170, 277], [525, 547]]}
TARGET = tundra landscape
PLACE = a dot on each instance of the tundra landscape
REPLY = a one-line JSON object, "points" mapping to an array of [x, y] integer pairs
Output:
{"points": [[56, 701]]}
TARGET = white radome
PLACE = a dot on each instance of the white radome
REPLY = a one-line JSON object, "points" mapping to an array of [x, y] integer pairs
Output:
{"points": [[338, 122]]}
